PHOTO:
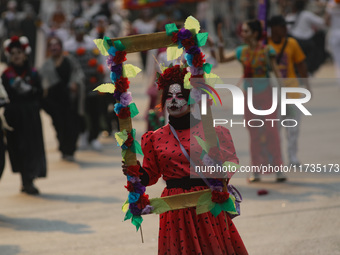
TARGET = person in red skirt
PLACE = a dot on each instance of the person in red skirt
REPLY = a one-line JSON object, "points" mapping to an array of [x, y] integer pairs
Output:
{"points": [[183, 231], [257, 60]]}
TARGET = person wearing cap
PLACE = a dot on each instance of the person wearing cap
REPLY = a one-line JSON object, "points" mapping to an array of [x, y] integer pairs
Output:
{"points": [[25, 142], [289, 58]]}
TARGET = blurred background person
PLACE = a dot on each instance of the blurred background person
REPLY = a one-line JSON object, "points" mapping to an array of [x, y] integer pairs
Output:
{"points": [[83, 49], [257, 59], [306, 27], [28, 25], [144, 25], [11, 18], [3, 100], [289, 58], [57, 25], [63, 82], [333, 20], [25, 142], [100, 29]]}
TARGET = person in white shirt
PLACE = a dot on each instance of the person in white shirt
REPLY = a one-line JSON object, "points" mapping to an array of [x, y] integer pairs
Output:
{"points": [[333, 20], [303, 26], [145, 25]]}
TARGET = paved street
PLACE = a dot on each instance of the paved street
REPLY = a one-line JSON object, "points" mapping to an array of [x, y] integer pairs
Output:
{"points": [[79, 209]]}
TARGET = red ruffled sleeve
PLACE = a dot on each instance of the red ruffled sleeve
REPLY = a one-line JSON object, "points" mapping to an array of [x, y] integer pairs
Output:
{"points": [[150, 161]]}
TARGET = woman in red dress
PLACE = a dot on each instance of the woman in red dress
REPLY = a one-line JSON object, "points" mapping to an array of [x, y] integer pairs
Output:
{"points": [[183, 231]]}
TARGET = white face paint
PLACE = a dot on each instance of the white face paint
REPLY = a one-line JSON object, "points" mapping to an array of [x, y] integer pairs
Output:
{"points": [[175, 102]]}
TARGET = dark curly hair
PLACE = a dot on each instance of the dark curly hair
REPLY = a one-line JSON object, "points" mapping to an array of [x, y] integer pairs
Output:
{"points": [[172, 75], [255, 26]]}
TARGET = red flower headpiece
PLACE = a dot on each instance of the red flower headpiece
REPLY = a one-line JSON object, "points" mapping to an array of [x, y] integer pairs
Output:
{"points": [[171, 75], [16, 41]]}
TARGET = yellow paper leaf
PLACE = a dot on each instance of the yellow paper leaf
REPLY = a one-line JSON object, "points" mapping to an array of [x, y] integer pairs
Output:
{"points": [[187, 84], [125, 206], [212, 79], [192, 24], [101, 47], [162, 67], [121, 137], [106, 88], [173, 53], [130, 71]]}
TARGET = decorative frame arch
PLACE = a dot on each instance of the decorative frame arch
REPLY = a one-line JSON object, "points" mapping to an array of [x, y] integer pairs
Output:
{"points": [[187, 39]]}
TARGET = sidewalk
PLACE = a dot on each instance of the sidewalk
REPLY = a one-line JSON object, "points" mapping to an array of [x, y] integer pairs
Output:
{"points": [[79, 209]]}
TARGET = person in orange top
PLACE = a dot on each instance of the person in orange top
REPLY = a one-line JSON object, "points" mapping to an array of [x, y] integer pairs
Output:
{"points": [[289, 58]]}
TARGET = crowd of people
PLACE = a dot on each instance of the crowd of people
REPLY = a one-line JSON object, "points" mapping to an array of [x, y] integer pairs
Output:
{"points": [[73, 67]]}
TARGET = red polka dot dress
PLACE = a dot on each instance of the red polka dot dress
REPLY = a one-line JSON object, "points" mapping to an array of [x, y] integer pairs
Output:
{"points": [[183, 231]]}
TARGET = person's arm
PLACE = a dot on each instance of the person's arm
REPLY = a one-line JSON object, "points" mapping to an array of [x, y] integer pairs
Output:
{"points": [[327, 19], [211, 45], [316, 21], [303, 73], [231, 56], [228, 58], [144, 177]]}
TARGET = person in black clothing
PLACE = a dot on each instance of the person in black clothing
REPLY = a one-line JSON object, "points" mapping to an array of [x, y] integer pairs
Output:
{"points": [[25, 142], [63, 81], [3, 101]]}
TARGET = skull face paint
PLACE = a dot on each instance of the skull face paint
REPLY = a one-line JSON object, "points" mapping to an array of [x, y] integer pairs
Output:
{"points": [[175, 102]]}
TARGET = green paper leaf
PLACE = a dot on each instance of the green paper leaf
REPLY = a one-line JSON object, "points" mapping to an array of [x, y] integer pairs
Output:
{"points": [[216, 210], [123, 153], [159, 205], [231, 165], [128, 215], [125, 206], [229, 206], [212, 79], [192, 24], [133, 133], [106, 88], [171, 28], [107, 42], [100, 45], [121, 137], [186, 81], [204, 203], [191, 100], [207, 67], [136, 148], [130, 71], [204, 145], [201, 39], [173, 53], [137, 221], [133, 109], [119, 46]]}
